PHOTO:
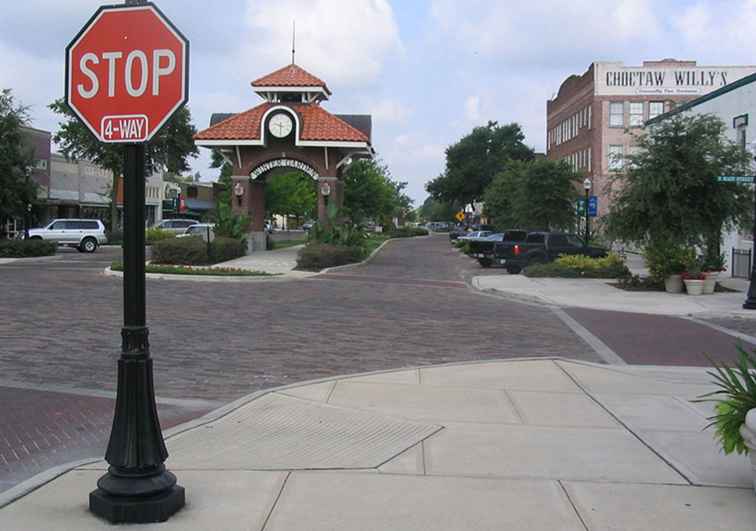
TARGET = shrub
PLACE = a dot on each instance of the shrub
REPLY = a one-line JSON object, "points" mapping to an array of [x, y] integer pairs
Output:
{"points": [[114, 237], [26, 248], [408, 232], [665, 258], [317, 256], [580, 266], [223, 249], [156, 234], [180, 251]]}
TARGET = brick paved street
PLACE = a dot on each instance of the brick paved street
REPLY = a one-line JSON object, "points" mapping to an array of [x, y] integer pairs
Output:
{"points": [[219, 341], [214, 342]]}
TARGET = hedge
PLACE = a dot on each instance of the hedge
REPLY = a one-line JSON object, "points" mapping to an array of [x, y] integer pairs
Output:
{"points": [[317, 256], [223, 249], [26, 248], [579, 266], [193, 251], [156, 234], [408, 232]]}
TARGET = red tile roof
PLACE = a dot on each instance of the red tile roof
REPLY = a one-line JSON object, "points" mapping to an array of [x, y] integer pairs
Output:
{"points": [[315, 121], [290, 76]]}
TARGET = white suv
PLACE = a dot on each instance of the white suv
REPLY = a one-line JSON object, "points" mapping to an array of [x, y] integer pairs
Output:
{"points": [[84, 234]]}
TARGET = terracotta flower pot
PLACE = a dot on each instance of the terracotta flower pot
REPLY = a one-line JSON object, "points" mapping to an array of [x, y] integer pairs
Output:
{"points": [[673, 284], [748, 431], [710, 282], [694, 287]]}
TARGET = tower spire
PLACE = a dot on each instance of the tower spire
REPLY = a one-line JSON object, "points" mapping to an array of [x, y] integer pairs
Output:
{"points": [[293, 39]]}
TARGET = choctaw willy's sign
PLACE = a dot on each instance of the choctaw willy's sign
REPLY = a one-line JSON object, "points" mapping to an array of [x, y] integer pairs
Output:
{"points": [[615, 79]]}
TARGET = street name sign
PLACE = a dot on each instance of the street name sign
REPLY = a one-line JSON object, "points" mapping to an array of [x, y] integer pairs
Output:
{"points": [[127, 72], [740, 179]]}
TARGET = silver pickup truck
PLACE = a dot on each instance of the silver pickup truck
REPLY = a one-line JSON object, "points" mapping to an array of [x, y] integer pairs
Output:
{"points": [[83, 234]]}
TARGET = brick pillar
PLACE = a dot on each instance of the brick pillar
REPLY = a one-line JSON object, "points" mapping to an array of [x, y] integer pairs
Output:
{"points": [[334, 196], [252, 205]]}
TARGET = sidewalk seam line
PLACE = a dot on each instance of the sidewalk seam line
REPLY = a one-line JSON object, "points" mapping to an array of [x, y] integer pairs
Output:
{"points": [[275, 502], [624, 425], [724, 330], [572, 504], [593, 341]]}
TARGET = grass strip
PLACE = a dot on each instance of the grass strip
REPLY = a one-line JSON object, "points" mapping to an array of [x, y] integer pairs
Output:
{"points": [[200, 271]]}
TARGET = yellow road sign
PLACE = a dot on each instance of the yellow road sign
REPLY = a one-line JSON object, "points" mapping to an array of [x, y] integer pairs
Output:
{"points": [[460, 216]]}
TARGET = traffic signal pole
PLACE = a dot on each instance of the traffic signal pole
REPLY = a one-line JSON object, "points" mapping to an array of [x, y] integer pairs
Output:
{"points": [[137, 487]]}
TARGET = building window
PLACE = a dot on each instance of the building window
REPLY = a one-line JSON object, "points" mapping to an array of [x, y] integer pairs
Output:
{"points": [[636, 114], [590, 123], [616, 114], [41, 164], [655, 108], [589, 158], [615, 156]]}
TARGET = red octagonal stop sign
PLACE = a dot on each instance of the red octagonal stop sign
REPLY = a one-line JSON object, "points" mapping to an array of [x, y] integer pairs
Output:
{"points": [[127, 72]]}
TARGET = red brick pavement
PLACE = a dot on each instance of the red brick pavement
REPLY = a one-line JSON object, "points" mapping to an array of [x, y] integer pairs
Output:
{"points": [[657, 339], [42, 429]]}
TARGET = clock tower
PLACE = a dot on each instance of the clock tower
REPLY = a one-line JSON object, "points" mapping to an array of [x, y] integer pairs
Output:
{"points": [[290, 128]]}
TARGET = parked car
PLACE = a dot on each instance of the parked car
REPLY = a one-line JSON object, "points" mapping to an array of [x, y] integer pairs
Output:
{"points": [[177, 226], [483, 248], [200, 230], [475, 235], [540, 248], [307, 226], [83, 234]]}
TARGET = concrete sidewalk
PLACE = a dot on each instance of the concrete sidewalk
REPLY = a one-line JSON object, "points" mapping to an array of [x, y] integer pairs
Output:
{"points": [[601, 295], [518, 445]]}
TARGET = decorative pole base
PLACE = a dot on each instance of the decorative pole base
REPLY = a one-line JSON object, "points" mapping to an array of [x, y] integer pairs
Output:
{"points": [[137, 509]]}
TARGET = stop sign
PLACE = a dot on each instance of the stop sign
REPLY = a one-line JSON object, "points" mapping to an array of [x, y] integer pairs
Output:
{"points": [[127, 72]]}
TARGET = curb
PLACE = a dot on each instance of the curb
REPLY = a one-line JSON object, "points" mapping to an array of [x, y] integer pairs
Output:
{"points": [[356, 264], [291, 275], [370, 257], [39, 480]]}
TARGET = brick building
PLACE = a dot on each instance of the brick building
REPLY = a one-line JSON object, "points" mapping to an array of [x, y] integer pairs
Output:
{"points": [[592, 120]]}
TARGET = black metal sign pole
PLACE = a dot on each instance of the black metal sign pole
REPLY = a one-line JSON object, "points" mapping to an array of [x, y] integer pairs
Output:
{"points": [[750, 303], [137, 487]]}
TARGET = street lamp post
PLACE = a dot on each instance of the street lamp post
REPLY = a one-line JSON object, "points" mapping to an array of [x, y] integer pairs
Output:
{"points": [[750, 302], [587, 185], [27, 220]]}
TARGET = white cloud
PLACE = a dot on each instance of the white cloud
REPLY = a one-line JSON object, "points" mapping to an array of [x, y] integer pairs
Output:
{"points": [[710, 31], [472, 108], [344, 42], [547, 31], [388, 111]]}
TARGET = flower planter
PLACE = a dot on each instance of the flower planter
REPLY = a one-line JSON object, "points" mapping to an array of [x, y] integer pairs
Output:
{"points": [[748, 431], [673, 284], [710, 283], [694, 287]]}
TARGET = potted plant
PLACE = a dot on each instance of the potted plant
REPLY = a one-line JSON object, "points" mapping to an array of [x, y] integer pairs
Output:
{"points": [[735, 406], [693, 277], [713, 265], [666, 262]]}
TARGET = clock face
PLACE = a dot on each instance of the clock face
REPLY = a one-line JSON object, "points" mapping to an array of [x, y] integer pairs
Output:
{"points": [[280, 125]]}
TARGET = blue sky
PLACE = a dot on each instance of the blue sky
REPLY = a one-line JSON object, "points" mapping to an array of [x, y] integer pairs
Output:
{"points": [[428, 71]]}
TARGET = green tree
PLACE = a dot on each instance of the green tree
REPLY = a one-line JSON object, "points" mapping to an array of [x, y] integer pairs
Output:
{"points": [[16, 187], [474, 160], [433, 210], [291, 194], [369, 192], [669, 191], [535, 195], [169, 150], [227, 223]]}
